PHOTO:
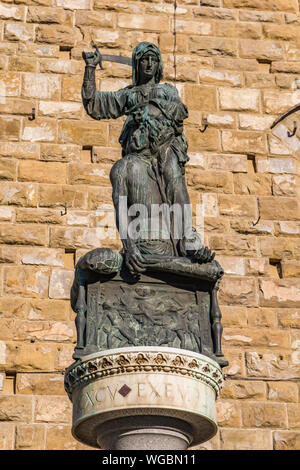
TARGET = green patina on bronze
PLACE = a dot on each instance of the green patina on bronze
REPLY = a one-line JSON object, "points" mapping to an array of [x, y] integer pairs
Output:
{"points": [[178, 307]]}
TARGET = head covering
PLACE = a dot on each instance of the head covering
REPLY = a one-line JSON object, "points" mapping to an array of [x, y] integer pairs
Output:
{"points": [[138, 53]]}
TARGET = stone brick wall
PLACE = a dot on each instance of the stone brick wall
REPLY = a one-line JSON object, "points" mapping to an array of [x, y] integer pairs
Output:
{"points": [[238, 65]]}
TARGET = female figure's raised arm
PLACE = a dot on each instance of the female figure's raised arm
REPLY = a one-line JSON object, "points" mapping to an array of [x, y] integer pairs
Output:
{"points": [[100, 105]]}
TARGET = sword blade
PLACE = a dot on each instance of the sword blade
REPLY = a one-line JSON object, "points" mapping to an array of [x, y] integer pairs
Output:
{"points": [[117, 58]]}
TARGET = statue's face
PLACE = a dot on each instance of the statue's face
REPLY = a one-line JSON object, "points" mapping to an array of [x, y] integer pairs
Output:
{"points": [[148, 66]]}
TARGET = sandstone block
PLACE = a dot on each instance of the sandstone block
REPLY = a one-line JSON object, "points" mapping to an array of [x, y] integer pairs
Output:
{"points": [[259, 80], [215, 181], [59, 437], [20, 194], [61, 35], [94, 18], [23, 64], [42, 172], [286, 440], [252, 122], [40, 384], [278, 147], [41, 331], [262, 317], [39, 130], [10, 84], [8, 169], [71, 88], [74, 4], [16, 106], [256, 337], [20, 150], [281, 5], [19, 32], [261, 49], [281, 248], [208, 46], [290, 268], [30, 356], [232, 99], [238, 30], [61, 66], [200, 97], [6, 215], [234, 163], [281, 32], [232, 265], [279, 208], [244, 439], [13, 307], [278, 103], [279, 293], [26, 282], [233, 316], [38, 50], [271, 365], [74, 237], [60, 109], [221, 120], [228, 414], [59, 153], [284, 185], [30, 437], [285, 392], [83, 133], [48, 309], [244, 142], [261, 16], [210, 140], [242, 389], [275, 165], [15, 408], [48, 409], [12, 12], [55, 195], [166, 42], [257, 267], [238, 291], [9, 128], [7, 436], [264, 415], [41, 14], [23, 234], [42, 256], [39, 216], [243, 206], [89, 173], [288, 228], [60, 283], [143, 22], [248, 65], [80, 218], [236, 359], [256, 184], [240, 245], [288, 318], [41, 86]]}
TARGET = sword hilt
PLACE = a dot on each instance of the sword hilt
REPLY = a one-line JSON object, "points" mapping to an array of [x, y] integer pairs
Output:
{"points": [[100, 55]]}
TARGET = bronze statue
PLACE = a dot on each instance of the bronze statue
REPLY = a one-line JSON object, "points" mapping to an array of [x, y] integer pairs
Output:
{"points": [[164, 246], [154, 151]]}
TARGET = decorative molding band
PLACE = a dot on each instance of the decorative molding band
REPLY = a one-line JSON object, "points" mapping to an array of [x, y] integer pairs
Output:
{"points": [[137, 360]]}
